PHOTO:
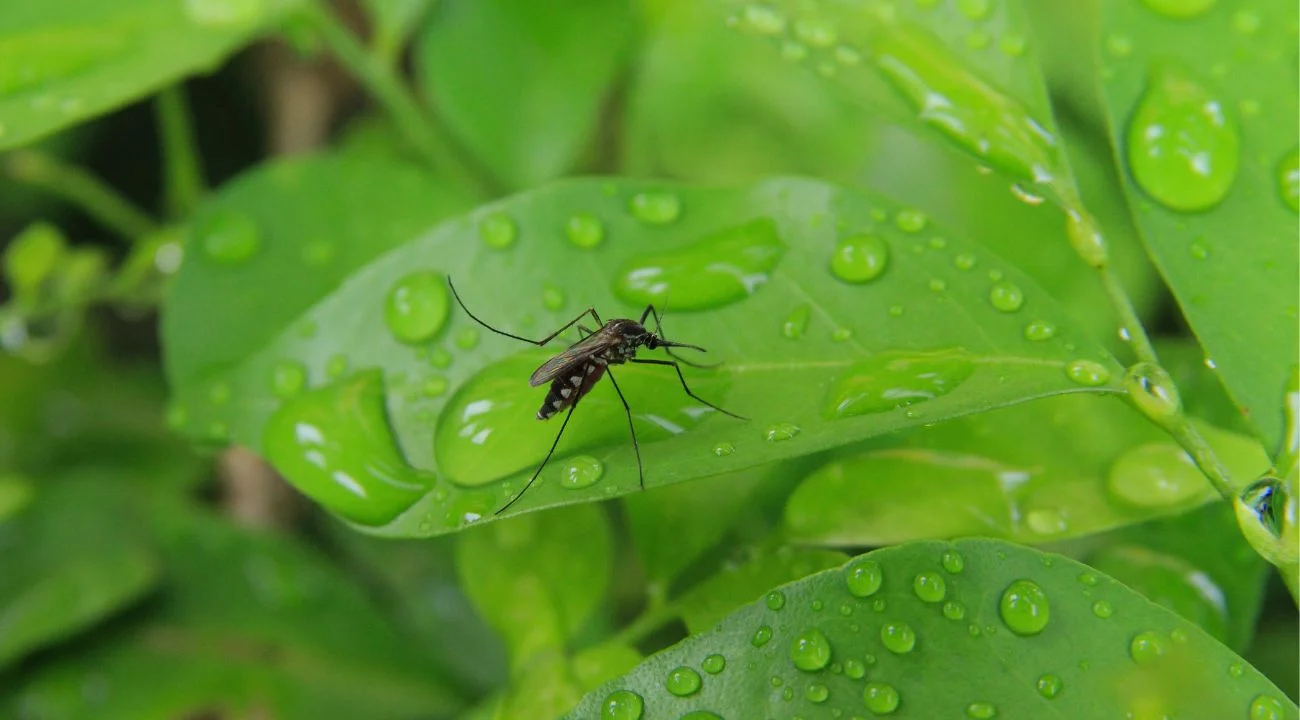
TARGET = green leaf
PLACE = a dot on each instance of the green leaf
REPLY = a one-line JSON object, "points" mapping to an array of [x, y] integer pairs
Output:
{"points": [[1197, 564], [246, 623], [704, 605], [62, 63], [1034, 473], [1202, 112], [537, 579], [1029, 640], [914, 335], [73, 556], [277, 240], [528, 106]]}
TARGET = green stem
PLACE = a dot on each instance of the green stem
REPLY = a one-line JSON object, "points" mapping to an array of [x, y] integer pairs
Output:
{"points": [[1128, 318], [1190, 439], [411, 121], [83, 189], [182, 169]]}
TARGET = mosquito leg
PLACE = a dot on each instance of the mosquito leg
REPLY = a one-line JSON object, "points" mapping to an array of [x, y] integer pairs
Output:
{"points": [[589, 311], [686, 387], [545, 460], [640, 470], [659, 330]]}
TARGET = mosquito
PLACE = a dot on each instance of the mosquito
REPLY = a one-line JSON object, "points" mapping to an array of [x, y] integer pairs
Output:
{"points": [[574, 372]]}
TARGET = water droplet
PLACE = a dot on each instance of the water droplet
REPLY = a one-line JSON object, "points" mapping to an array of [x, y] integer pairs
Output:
{"points": [[1024, 608], [1049, 686], [878, 604], [815, 32], [981, 711], [440, 358], [498, 230], [287, 378], [1087, 373], [775, 600], [952, 561], [911, 221], [1288, 180], [793, 51], [797, 322], [1155, 475], [1087, 241], [1266, 513], [683, 681], [585, 230], [580, 471], [898, 637], [929, 587], [895, 310], [1045, 521], [880, 698], [1236, 670], [714, 664], [1006, 297], [655, 208], [1180, 8], [896, 379], [1198, 250], [780, 432], [859, 258], [622, 705], [810, 650], [1039, 330], [817, 693], [964, 261], [1089, 579], [724, 449], [954, 610], [552, 297], [841, 334], [761, 636], [847, 56], [1146, 648], [1267, 707], [467, 339], [335, 445], [1013, 45], [434, 386], [1102, 609], [1153, 392], [1183, 147], [937, 285], [725, 267], [764, 20], [228, 237], [863, 577], [416, 307]]}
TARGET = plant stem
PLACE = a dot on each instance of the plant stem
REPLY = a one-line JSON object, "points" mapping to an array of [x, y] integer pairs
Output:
{"points": [[410, 120], [1128, 319], [182, 169], [83, 189], [1190, 439]]}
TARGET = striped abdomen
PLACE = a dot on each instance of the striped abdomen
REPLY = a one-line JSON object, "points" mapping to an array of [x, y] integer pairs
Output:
{"points": [[570, 386]]}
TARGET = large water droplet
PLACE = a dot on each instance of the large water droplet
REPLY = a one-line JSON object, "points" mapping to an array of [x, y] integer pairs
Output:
{"points": [[1006, 296], [714, 664], [1153, 392], [722, 268], [1267, 707], [228, 237], [1024, 608], [863, 577], [1288, 180], [655, 208], [1183, 146], [780, 432], [683, 681], [1181, 9], [416, 307], [585, 230], [1267, 513], [1087, 373], [622, 705], [775, 600], [929, 587], [880, 698], [498, 230], [1155, 475], [896, 379], [580, 471], [335, 445], [1087, 241], [797, 322], [817, 693], [898, 637], [859, 258], [810, 650], [1147, 647]]}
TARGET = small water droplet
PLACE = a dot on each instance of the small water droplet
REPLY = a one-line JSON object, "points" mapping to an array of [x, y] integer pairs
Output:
{"points": [[1267, 707], [775, 600], [880, 698], [655, 208], [580, 471], [1086, 239], [1089, 579], [894, 379], [1039, 330], [1102, 609], [937, 285], [1154, 475], [552, 297], [911, 221], [763, 20], [1183, 147], [964, 261], [859, 258], [816, 693], [1245, 22], [467, 339], [622, 705], [683, 681], [796, 323], [714, 664], [854, 669], [815, 32], [434, 386], [761, 636], [1013, 45], [336, 366], [1049, 686], [1024, 608], [498, 230], [1087, 373], [841, 334], [863, 577], [228, 237], [1045, 521], [929, 587], [416, 307], [1181, 9], [780, 432], [1288, 180], [1006, 297], [898, 637], [1152, 392], [1023, 195], [440, 358], [1198, 250], [895, 310], [810, 650], [1146, 648], [288, 378], [981, 711], [847, 56], [954, 610], [724, 449], [952, 561], [585, 230]]}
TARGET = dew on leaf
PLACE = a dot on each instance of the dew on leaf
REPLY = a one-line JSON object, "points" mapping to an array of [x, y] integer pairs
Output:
{"points": [[763, 20], [963, 261], [780, 432], [552, 297], [1040, 330], [952, 561], [724, 449], [1013, 45], [863, 577], [416, 307], [911, 221], [1102, 609], [722, 268], [228, 237], [1087, 241], [810, 650], [683, 681], [1267, 707], [498, 230], [1146, 648], [1087, 373], [288, 378], [1024, 608], [859, 258], [1045, 521], [775, 600], [1049, 686], [585, 230], [1154, 475], [655, 208], [714, 664], [815, 32], [1006, 297], [898, 637], [1152, 392], [929, 587], [761, 636], [854, 669], [817, 693], [622, 705], [880, 698], [796, 323], [896, 379], [434, 386], [336, 366], [580, 471], [981, 711], [954, 610]]}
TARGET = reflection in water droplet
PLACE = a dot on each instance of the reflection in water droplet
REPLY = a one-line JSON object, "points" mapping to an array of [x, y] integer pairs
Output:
{"points": [[1266, 513], [859, 258], [1024, 608], [1183, 147], [880, 698], [722, 268], [334, 444], [1155, 475], [585, 230], [498, 230], [1153, 392], [1087, 373], [1267, 707], [416, 307], [895, 379], [797, 322], [228, 237], [655, 208]]}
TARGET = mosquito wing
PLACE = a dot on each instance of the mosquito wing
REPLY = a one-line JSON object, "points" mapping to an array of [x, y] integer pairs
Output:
{"points": [[576, 355]]}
